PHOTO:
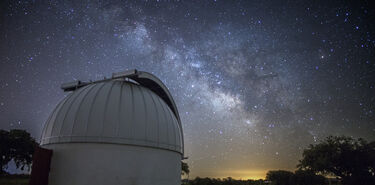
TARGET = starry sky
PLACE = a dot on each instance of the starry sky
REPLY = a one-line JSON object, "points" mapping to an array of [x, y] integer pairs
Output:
{"points": [[255, 82]]}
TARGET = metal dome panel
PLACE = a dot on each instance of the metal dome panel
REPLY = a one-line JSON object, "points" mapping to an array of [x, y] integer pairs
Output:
{"points": [[114, 111]]}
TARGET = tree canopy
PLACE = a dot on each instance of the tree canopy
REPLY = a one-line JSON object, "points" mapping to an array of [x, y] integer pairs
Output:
{"points": [[306, 177], [351, 160], [280, 177], [184, 168], [16, 145], [300, 177]]}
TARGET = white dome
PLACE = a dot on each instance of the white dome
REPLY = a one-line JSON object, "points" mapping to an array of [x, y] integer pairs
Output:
{"points": [[116, 111]]}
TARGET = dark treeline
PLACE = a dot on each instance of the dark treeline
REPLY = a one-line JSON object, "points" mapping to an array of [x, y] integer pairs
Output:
{"points": [[279, 177], [300, 177], [276, 177]]}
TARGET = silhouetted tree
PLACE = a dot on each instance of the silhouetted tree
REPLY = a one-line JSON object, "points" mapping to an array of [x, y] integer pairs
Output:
{"points": [[5, 156], [349, 159], [16, 145], [185, 168], [305, 177], [280, 177]]}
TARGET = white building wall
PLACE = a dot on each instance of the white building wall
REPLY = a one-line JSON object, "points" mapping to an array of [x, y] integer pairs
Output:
{"points": [[113, 164]]}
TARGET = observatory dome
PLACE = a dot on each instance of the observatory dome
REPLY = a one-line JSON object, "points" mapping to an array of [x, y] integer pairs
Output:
{"points": [[115, 111], [122, 130]]}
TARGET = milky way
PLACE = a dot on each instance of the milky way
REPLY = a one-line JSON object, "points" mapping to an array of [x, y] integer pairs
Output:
{"points": [[255, 82]]}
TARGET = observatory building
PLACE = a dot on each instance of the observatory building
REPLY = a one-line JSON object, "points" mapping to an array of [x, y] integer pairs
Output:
{"points": [[123, 130]]}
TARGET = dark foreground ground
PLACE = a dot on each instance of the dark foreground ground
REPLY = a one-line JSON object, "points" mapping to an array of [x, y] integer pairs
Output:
{"points": [[24, 180], [14, 180]]}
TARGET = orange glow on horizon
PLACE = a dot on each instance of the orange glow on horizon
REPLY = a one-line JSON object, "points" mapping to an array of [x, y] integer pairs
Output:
{"points": [[236, 174]]}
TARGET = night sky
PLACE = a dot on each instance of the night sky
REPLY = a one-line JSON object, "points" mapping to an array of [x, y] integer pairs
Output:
{"points": [[255, 82]]}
